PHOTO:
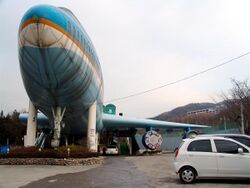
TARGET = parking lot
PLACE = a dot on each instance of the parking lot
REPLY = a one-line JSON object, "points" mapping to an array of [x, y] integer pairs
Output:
{"points": [[117, 171], [161, 170]]}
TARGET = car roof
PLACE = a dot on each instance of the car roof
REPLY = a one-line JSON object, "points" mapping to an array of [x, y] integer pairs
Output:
{"points": [[209, 137], [203, 137], [206, 137], [200, 138], [224, 135]]}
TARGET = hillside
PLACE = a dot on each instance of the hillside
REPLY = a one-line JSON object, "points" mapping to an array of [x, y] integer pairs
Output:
{"points": [[182, 110]]}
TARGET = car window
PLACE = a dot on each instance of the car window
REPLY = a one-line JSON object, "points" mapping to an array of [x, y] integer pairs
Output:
{"points": [[111, 146], [242, 140], [226, 146], [200, 145]]}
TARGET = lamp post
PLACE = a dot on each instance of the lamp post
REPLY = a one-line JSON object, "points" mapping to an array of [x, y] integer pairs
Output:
{"points": [[242, 118], [225, 123]]}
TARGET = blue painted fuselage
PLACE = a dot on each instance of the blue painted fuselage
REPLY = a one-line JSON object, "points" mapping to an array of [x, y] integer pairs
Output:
{"points": [[59, 66]]}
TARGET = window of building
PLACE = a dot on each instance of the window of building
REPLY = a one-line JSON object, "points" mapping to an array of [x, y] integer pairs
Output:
{"points": [[74, 31], [69, 26]]}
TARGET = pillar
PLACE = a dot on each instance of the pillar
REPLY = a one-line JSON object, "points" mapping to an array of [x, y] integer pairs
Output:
{"points": [[91, 130], [58, 114], [130, 145], [30, 136]]}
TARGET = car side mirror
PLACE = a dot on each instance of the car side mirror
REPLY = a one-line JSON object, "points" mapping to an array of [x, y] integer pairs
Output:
{"points": [[240, 150]]}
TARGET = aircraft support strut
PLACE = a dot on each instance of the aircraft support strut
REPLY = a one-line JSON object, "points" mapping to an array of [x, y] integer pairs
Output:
{"points": [[91, 130], [58, 114]]}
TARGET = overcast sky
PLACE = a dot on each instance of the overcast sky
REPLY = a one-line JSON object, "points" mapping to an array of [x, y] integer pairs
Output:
{"points": [[144, 44]]}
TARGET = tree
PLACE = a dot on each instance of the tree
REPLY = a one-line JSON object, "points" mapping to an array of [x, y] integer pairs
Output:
{"points": [[237, 96], [11, 129], [1, 114]]}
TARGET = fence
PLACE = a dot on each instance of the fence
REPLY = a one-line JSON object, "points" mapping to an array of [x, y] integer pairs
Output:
{"points": [[172, 139]]}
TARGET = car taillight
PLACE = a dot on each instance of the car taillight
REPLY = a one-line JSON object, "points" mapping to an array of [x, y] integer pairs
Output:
{"points": [[176, 152]]}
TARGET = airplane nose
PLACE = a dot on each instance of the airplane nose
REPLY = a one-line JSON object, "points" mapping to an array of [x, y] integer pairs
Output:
{"points": [[37, 29]]}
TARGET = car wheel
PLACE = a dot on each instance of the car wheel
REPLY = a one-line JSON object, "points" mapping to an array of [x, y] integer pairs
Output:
{"points": [[187, 175]]}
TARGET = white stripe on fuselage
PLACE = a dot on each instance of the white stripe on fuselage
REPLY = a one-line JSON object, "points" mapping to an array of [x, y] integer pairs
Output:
{"points": [[51, 38]]}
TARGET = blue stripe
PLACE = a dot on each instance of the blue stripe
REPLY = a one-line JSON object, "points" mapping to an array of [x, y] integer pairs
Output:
{"points": [[47, 12], [63, 18], [58, 16]]}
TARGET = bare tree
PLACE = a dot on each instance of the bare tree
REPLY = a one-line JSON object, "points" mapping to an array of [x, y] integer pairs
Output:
{"points": [[1, 114], [237, 96]]}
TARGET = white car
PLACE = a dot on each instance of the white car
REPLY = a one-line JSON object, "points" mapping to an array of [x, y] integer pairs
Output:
{"points": [[212, 157], [111, 150]]}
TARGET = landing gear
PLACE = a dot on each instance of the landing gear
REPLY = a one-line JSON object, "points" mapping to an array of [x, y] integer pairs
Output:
{"points": [[188, 133], [58, 116]]}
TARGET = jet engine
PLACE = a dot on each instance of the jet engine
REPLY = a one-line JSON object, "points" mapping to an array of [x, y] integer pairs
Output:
{"points": [[152, 140]]}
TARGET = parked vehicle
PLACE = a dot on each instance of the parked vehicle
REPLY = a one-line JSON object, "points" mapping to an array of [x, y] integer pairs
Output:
{"points": [[111, 150], [211, 156], [4, 149]]}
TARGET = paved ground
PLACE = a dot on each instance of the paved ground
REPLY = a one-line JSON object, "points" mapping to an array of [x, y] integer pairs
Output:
{"points": [[13, 176], [143, 171], [161, 170]]}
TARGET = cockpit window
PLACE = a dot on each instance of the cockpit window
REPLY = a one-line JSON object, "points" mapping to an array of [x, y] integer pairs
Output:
{"points": [[70, 13], [65, 9]]}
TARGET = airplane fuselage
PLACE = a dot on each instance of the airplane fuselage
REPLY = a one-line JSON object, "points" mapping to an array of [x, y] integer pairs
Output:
{"points": [[62, 76], [59, 66]]}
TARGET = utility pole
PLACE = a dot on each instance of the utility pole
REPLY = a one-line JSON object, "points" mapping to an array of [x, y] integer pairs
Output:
{"points": [[242, 118], [225, 123]]}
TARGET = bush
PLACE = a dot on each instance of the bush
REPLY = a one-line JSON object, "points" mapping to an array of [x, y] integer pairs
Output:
{"points": [[61, 152], [124, 148]]}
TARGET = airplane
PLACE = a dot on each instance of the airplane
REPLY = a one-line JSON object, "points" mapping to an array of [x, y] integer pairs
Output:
{"points": [[62, 76]]}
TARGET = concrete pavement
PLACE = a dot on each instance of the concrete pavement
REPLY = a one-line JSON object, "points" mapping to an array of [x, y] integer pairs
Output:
{"points": [[126, 172], [13, 176]]}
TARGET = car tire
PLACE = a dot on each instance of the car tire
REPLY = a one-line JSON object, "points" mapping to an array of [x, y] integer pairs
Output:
{"points": [[187, 175]]}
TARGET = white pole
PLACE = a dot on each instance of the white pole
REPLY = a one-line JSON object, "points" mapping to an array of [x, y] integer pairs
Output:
{"points": [[91, 131], [130, 145], [225, 123], [242, 119], [30, 137]]}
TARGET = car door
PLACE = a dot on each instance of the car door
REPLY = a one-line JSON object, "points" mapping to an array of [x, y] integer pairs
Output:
{"points": [[202, 158], [230, 162]]}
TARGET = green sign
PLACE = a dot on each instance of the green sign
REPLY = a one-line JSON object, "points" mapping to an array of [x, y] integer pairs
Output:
{"points": [[109, 109]]}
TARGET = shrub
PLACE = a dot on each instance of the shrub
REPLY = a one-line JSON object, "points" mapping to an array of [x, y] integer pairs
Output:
{"points": [[124, 148], [61, 152]]}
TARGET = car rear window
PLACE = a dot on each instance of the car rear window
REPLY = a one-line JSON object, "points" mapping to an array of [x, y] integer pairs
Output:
{"points": [[200, 146]]}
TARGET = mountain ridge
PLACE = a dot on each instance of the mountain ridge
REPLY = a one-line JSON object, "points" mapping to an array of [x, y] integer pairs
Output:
{"points": [[182, 110]]}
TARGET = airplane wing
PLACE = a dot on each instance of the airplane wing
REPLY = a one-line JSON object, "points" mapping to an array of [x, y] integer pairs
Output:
{"points": [[114, 121], [41, 118], [124, 122]]}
